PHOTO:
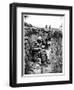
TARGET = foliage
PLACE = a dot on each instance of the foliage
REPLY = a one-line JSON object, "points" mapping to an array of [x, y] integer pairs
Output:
{"points": [[36, 42]]}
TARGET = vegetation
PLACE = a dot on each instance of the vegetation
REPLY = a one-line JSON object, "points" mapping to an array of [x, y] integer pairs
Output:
{"points": [[43, 49]]}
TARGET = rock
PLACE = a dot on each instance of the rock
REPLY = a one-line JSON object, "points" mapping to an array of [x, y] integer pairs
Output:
{"points": [[47, 69], [36, 68]]}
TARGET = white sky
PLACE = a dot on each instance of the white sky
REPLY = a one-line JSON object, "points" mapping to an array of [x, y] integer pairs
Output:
{"points": [[41, 21]]}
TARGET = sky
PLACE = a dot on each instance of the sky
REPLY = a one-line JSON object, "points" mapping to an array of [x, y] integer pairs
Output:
{"points": [[41, 21]]}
